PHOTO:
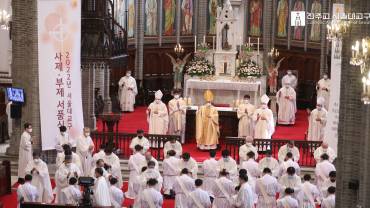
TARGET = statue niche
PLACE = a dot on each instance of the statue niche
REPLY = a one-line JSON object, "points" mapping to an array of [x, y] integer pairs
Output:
{"points": [[225, 43]]}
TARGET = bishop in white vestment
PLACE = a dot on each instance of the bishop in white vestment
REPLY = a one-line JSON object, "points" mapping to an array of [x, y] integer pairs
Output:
{"points": [[317, 122], [290, 78], [173, 144], [157, 115], [127, 92], [85, 148], [25, 150], [286, 99], [182, 187], [27, 192], [247, 147], [101, 189], [177, 113], [323, 90], [245, 115], [135, 163], [264, 119]]}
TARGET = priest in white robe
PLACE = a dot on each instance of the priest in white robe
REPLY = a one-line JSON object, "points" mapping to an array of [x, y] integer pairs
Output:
{"points": [[289, 162], [183, 185], [290, 78], [170, 171], [40, 178], [329, 201], [64, 138], [27, 192], [173, 144], [190, 164], [150, 197], [264, 119], [309, 194], [245, 115], [177, 114], [247, 147], [116, 194], [127, 92], [324, 148], [101, 190], [199, 197], [245, 195], [157, 115], [148, 158], [149, 173], [286, 99], [251, 166], [25, 149], [67, 151], [323, 90], [289, 147], [140, 140], [210, 175], [113, 165], [229, 164], [288, 200], [290, 180], [269, 162], [85, 148], [71, 194], [323, 169], [223, 191], [100, 154], [331, 181], [267, 188], [317, 122], [135, 163]]}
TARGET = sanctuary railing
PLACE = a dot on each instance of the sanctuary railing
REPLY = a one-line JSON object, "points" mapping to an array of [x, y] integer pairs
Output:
{"points": [[306, 148]]}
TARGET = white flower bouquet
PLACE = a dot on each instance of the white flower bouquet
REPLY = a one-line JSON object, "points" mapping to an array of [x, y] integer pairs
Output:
{"points": [[248, 69], [200, 66]]}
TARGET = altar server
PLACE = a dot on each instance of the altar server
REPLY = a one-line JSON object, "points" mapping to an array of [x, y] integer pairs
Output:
{"points": [[173, 144], [323, 169], [40, 178], [245, 115], [101, 190], [289, 162], [323, 90], [286, 99], [27, 192], [207, 126], [288, 200], [116, 194], [289, 147], [64, 138], [182, 187], [113, 165], [290, 78], [148, 158], [223, 191], [140, 140], [190, 164], [245, 195], [25, 149], [170, 171], [324, 148], [229, 164], [317, 121], [264, 119], [199, 198], [269, 162], [62, 175], [210, 175], [149, 173], [309, 194], [67, 151], [157, 115], [71, 194], [135, 163], [127, 92], [247, 147], [290, 180], [150, 197], [177, 113], [85, 148], [329, 201], [266, 189]]}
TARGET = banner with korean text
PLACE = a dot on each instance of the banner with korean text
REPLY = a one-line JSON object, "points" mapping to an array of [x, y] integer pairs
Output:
{"points": [[59, 38]]}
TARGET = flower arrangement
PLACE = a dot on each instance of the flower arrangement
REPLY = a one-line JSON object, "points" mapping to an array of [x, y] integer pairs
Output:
{"points": [[200, 66], [248, 69]]}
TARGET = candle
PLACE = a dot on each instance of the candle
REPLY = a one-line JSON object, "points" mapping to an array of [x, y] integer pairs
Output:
{"points": [[249, 41], [213, 42], [258, 46], [189, 101], [195, 44], [204, 39]]}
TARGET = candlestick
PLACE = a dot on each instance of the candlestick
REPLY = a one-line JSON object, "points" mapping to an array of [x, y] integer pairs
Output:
{"points": [[258, 46], [204, 39], [195, 44], [213, 42], [249, 41]]}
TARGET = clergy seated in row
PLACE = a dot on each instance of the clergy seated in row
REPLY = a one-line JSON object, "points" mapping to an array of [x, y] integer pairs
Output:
{"points": [[85, 148], [266, 189], [116, 194], [150, 197], [288, 200], [329, 201], [170, 171], [40, 178], [228, 163], [251, 166], [140, 140], [66, 150], [223, 190], [25, 150], [290, 78], [245, 196], [245, 115], [309, 196], [289, 147], [269, 162], [209, 172], [289, 162], [290, 180], [173, 144], [324, 148], [182, 186], [64, 138], [199, 197], [127, 92], [135, 163], [190, 164], [27, 192], [317, 121], [150, 158], [157, 115], [207, 124], [101, 189], [323, 169], [247, 147], [177, 114], [264, 120], [286, 100], [330, 182], [71, 195]]}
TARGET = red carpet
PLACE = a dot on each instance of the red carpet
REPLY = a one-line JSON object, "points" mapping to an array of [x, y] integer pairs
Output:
{"points": [[295, 132]]}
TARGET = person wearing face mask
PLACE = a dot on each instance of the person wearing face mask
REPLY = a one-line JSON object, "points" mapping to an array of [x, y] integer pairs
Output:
{"points": [[263, 116], [323, 90], [157, 115], [111, 161], [289, 78], [285, 149], [177, 113], [67, 151], [189, 163], [228, 163], [290, 180], [324, 148], [286, 99], [173, 144], [40, 178], [140, 140], [245, 115], [85, 148], [135, 164], [247, 147], [64, 138], [25, 149], [207, 125], [270, 163], [127, 92], [317, 121]]}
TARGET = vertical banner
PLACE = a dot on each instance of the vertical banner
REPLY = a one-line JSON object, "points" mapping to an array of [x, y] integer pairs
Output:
{"points": [[331, 129], [59, 38]]}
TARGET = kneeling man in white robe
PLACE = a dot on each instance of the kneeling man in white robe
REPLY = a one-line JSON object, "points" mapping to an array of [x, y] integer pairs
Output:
{"points": [[116, 194], [287, 200], [329, 201], [135, 163], [150, 197], [266, 189], [127, 92], [245, 196], [27, 192], [289, 147], [71, 194], [309, 195], [286, 99], [113, 165], [173, 144], [324, 148], [229, 164], [101, 189], [199, 197], [189, 163], [170, 171], [182, 187], [323, 170], [223, 191]]}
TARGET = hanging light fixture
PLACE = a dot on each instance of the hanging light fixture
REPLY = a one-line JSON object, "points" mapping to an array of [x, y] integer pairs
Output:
{"points": [[336, 29], [4, 20]]}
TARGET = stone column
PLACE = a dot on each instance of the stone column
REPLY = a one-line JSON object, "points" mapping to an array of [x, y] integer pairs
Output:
{"points": [[25, 69], [99, 79], [107, 100], [88, 70], [267, 27], [324, 41], [139, 35], [202, 20]]}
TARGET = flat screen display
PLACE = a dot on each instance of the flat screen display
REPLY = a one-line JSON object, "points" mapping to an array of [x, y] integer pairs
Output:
{"points": [[15, 94]]}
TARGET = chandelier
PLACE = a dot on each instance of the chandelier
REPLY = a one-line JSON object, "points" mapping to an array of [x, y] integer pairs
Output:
{"points": [[4, 20], [274, 53], [178, 50], [360, 57], [336, 29]]}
